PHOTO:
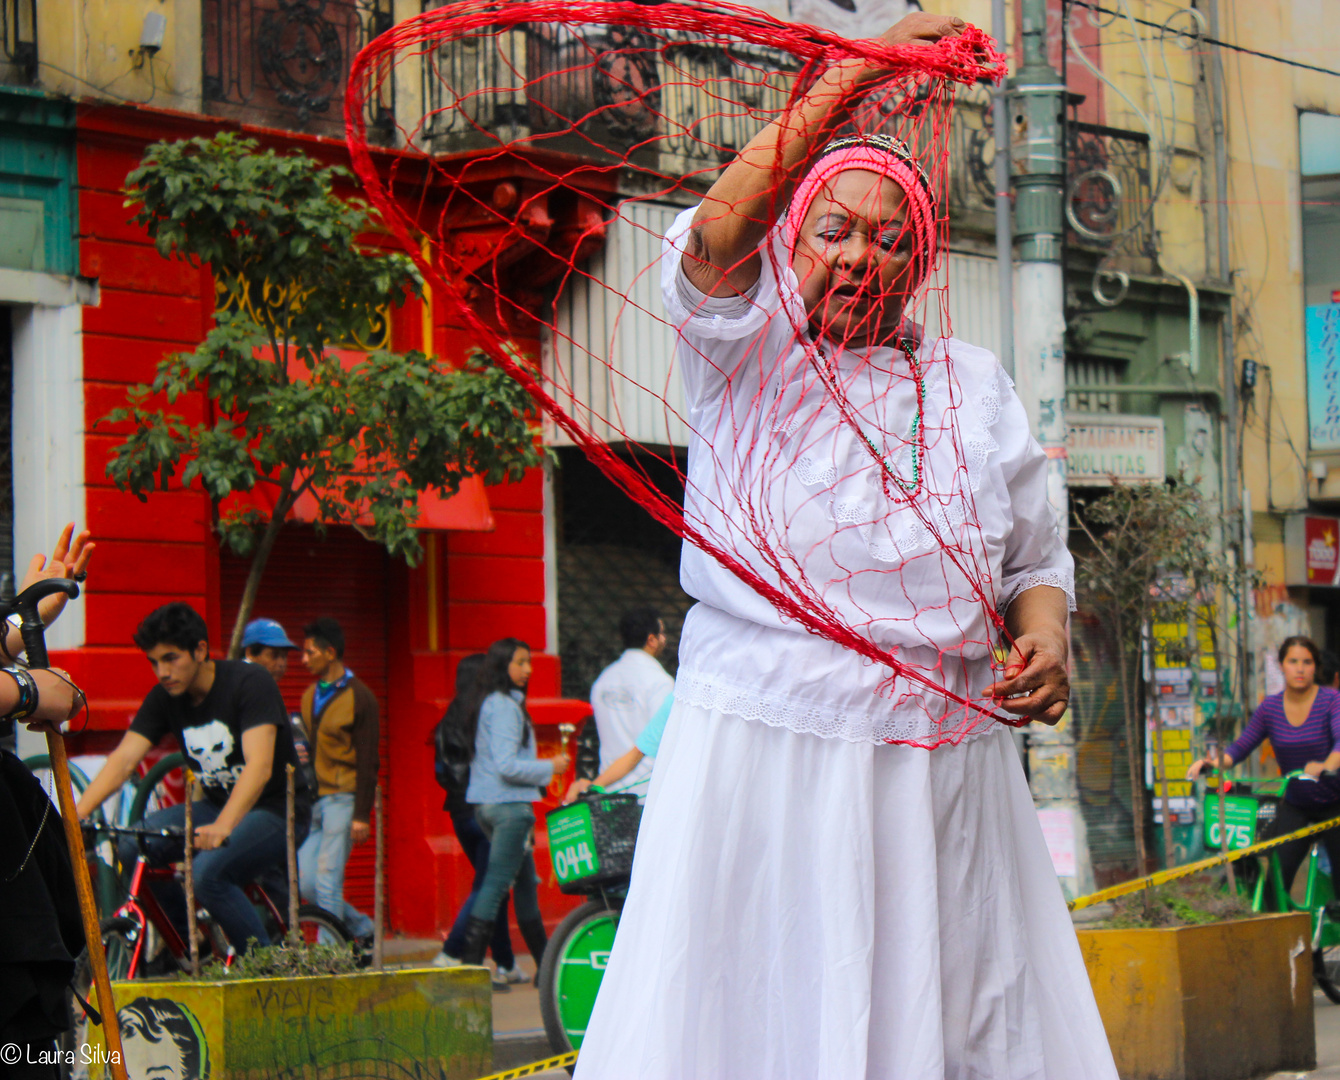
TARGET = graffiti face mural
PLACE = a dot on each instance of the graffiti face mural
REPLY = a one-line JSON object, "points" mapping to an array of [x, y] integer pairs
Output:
{"points": [[162, 1040]]}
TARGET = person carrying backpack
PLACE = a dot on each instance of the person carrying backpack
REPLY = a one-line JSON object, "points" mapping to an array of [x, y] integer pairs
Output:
{"points": [[455, 749]]}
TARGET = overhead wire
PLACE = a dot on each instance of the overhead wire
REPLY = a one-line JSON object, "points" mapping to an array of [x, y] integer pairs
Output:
{"points": [[1216, 41]]}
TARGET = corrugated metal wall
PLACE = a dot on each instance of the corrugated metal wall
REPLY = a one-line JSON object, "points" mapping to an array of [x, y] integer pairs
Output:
{"points": [[637, 396]]}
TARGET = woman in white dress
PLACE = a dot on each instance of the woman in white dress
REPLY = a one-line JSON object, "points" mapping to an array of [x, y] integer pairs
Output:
{"points": [[840, 875]]}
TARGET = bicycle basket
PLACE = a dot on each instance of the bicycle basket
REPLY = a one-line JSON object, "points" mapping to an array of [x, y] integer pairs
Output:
{"points": [[591, 841]]}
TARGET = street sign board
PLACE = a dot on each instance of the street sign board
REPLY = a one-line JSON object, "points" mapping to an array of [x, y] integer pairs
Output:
{"points": [[1106, 448]]}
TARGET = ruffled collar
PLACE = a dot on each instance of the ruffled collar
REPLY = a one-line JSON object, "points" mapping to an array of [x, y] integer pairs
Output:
{"points": [[852, 453]]}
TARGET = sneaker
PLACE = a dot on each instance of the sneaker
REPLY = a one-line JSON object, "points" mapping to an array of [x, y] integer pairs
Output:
{"points": [[500, 983], [513, 974], [442, 960]]}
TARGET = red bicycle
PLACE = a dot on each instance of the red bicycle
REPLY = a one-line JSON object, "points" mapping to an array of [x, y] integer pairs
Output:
{"points": [[141, 942]]}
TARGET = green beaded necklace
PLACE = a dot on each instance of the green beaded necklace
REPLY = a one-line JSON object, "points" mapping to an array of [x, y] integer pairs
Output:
{"points": [[916, 435]]}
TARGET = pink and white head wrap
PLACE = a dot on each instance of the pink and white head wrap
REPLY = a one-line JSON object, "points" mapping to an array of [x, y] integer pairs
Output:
{"points": [[884, 156]]}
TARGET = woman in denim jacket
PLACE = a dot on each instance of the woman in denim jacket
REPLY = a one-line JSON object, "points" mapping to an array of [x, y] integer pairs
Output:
{"points": [[505, 778]]}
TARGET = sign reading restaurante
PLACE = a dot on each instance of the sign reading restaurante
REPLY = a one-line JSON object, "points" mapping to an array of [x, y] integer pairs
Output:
{"points": [[1101, 449]]}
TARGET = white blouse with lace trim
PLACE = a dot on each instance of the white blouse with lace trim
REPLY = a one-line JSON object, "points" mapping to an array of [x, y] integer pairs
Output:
{"points": [[775, 472]]}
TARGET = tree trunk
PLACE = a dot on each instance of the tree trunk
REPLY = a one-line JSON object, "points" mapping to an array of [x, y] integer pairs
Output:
{"points": [[1129, 711], [259, 558]]}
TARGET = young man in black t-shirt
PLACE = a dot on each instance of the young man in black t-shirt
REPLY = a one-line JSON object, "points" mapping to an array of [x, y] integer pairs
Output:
{"points": [[233, 728]]}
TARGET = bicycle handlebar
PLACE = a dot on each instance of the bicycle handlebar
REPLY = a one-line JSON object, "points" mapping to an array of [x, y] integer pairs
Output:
{"points": [[31, 627], [131, 830], [138, 831]]}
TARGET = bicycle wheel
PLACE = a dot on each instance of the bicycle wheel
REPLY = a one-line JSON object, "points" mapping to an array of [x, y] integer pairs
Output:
{"points": [[312, 920], [119, 935], [572, 969], [147, 796]]}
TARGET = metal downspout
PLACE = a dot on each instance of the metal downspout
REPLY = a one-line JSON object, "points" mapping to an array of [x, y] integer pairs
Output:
{"points": [[1000, 112], [1236, 498]]}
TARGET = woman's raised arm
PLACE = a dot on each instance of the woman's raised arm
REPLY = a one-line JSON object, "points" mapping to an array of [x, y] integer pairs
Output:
{"points": [[747, 199]]}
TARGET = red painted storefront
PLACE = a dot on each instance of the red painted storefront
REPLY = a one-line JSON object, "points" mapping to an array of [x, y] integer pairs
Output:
{"points": [[407, 628]]}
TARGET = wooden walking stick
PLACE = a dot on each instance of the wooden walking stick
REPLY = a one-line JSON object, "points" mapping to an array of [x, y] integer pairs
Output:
{"points": [[34, 644], [379, 884], [193, 943], [291, 842]]}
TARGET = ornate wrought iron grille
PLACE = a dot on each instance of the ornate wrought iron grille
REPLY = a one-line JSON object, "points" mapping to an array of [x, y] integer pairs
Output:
{"points": [[689, 108], [18, 40], [1109, 199], [612, 556], [285, 63]]}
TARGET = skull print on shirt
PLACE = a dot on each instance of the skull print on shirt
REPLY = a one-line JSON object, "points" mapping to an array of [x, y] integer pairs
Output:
{"points": [[210, 746]]}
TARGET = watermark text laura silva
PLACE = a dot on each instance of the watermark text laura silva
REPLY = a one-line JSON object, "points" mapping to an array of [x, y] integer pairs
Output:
{"points": [[87, 1054]]}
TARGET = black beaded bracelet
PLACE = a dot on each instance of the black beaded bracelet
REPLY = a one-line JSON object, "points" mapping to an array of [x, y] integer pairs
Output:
{"points": [[28, 696]]}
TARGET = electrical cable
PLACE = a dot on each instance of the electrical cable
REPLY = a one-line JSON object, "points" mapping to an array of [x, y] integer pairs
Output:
{"points": [[106, 88], [1216, 41]]}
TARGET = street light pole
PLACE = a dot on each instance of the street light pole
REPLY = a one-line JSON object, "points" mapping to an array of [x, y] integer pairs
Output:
{"points": [[1037, 160], [1037, 166]]}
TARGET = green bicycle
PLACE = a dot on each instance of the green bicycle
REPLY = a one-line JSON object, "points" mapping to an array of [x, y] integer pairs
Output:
{"points": [[591, 844], [1248, 813]]}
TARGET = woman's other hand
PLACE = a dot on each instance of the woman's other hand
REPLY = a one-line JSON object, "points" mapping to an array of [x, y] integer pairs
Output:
{"points": [[1036, 683], [575, 789], [69, 559], [560, 764], [1314, 769]]}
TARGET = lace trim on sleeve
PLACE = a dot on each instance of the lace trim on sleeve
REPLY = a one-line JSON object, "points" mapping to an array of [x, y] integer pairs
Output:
{"points": [[1058, 579]]}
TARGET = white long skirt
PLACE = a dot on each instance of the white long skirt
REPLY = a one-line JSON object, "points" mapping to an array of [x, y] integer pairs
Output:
{"points": [[812, 909]]}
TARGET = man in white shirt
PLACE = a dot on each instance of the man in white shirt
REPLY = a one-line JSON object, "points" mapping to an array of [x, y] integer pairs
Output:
{"points": [[629, 691]]}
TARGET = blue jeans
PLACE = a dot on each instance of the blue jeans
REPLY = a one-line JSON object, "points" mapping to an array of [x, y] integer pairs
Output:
{"points": [[321, 861], [476, 847], [508, 826], [255, 846]]}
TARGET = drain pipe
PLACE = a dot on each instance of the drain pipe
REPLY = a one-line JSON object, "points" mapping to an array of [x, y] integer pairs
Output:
{"points": [[1236, 497], [1000, 112], [1193, 338]]}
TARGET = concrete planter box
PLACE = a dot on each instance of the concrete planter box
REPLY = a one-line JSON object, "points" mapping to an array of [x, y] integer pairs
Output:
{"points": [[1227, 1001], [428, 1022]]}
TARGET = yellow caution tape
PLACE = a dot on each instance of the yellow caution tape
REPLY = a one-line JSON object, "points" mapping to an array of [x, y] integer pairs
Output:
{"points": [[1135, 885], [560, 1062]]}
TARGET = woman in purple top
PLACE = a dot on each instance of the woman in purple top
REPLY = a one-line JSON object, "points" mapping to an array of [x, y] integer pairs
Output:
{"points": [[1303, 724]]}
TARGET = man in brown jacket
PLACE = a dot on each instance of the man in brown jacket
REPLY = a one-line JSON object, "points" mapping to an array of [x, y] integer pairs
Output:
{"points": [[341, 718]]}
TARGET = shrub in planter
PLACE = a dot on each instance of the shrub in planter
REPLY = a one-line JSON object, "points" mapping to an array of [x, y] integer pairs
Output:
{"points": [[1190, 990]]}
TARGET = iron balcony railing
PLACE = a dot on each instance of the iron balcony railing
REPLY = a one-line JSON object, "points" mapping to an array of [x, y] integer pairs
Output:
{"points": [[1109, 197], [666, 108], [285, 63]]}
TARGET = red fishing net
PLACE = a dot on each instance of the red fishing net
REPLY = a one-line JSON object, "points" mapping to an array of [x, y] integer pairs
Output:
{"points": [[557, 144]]}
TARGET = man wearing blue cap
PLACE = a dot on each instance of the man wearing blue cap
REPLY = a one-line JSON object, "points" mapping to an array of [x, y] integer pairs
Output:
{"points": [[266, 644]]}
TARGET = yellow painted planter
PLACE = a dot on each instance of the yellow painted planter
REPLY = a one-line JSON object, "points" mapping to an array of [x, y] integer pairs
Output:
{"points": [[428, 1022], [1228, 1001]]}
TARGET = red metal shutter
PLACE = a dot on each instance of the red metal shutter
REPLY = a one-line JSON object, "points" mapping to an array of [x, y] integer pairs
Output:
{"points": [[344, 576]]}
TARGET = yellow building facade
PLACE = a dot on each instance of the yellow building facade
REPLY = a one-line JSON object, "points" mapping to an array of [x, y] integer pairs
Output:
{"points": [[1282, 212]]}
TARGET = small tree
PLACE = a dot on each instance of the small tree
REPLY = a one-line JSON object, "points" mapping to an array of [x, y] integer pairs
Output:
{"points": [[1154, 556], [294, 279]]}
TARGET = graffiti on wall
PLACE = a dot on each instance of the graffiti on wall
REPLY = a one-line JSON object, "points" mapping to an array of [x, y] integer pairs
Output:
{"points": [[404, 1025]]}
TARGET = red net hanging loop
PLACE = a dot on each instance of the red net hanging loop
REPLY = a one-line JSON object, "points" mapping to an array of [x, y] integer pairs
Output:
{"points": [[542, 152]]}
